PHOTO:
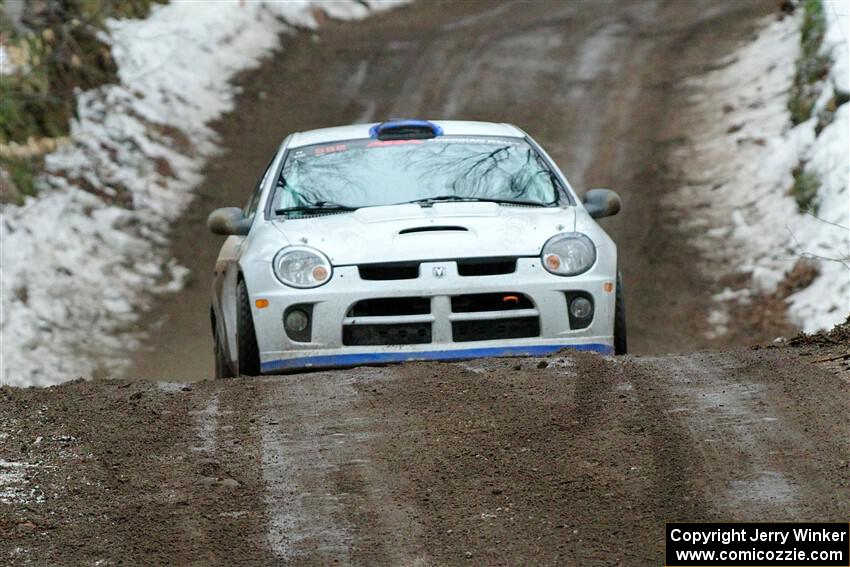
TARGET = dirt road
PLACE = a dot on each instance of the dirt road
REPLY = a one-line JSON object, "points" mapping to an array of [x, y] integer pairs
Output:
{"points": [[597, 83], [572, 459], [568, 460]]}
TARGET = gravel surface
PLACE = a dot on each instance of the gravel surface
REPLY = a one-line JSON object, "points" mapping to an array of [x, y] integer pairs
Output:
{"points": [[570, 459]]}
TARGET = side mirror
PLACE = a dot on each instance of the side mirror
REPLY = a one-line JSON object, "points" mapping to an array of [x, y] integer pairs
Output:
{"points": [[602, 203], [228, 221]]}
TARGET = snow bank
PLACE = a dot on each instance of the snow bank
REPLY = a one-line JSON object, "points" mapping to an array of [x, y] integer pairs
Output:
{"points": [[740, 160], [836, 40], [6, 67], [76, 265]]}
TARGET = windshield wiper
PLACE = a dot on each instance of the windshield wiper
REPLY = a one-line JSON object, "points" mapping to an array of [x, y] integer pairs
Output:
{"points": [[427, 201], [318, 206]]}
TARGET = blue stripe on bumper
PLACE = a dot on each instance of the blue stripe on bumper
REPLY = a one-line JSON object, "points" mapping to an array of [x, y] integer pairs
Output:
{"points": [[335, 360]]}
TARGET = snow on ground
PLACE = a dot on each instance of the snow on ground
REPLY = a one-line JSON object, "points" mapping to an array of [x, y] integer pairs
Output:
{"points": [[13, 483], [6, 67], [77, 269], [739, 165]]}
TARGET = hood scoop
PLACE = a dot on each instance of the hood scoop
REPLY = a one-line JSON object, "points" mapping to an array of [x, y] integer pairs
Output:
{"points": [[433, 228]]}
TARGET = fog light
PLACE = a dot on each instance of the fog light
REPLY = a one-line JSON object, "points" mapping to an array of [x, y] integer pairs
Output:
{"points": [[296, 321], [581, 308]]}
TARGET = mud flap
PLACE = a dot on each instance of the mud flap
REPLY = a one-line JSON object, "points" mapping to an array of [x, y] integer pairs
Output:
{"points": [[228, 323]]}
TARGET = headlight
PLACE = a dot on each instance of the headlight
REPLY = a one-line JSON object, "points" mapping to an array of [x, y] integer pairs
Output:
{"points": [[568, 254], [301, 266]]}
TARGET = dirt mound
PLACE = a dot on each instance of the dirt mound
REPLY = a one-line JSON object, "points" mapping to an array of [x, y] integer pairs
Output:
{"points": [[839, 335], [570, 459], [118, 473]]}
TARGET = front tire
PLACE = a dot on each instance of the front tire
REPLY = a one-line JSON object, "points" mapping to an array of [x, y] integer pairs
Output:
{"points": [[620, 342], [249, 353]]}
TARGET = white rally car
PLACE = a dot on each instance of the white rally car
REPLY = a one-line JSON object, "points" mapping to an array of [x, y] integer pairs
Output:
{"points": [[412, 240]]}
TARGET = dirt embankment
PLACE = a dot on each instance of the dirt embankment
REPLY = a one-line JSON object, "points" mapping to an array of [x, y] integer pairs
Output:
{"points": [[570, 459]]}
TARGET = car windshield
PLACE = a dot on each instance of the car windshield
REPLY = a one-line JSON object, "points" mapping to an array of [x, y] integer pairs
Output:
{"points": [[367, 173]]}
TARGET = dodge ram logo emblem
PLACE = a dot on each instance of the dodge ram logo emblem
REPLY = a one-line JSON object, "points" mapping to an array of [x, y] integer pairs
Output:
{"points": [[439, 271]]}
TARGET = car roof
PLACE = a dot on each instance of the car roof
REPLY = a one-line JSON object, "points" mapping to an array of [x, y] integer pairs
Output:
{"points": [[358, 131]]}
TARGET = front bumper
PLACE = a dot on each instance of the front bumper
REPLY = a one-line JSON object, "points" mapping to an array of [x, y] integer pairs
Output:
{"points": [[331, 304], [358, 359]]}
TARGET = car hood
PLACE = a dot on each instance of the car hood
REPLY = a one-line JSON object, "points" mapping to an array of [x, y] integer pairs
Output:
{"points": [[445, 230]]}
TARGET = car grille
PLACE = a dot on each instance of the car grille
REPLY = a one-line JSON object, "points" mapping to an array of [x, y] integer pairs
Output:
{"points": [[466, 267], [389, 306], [394, 271], [495, 329], [398, 334], [486, 317], [486, 266], [502, 301], [411, 320]]}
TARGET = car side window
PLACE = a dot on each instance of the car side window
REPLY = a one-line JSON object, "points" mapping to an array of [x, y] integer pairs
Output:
{"points": [[254, 200]]}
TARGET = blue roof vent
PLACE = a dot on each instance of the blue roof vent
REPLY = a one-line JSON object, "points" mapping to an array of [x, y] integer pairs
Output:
{"points": [[405, 129]]}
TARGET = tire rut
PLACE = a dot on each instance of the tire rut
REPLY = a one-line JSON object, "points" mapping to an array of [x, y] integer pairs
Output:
{"points": [[326, 498], [757, 452], [512, 459], [226, 480], [490, 462], [678, 489]]}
